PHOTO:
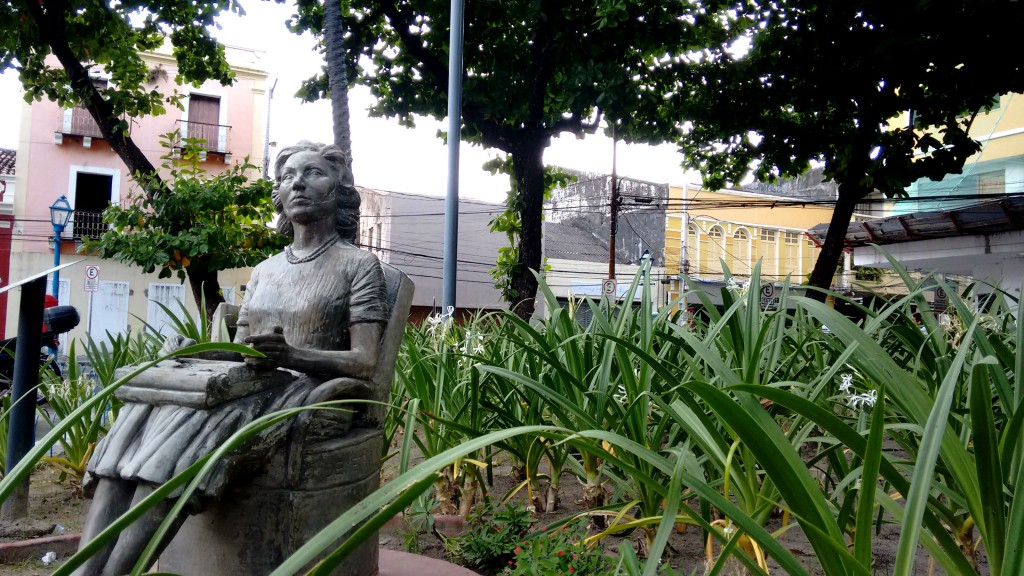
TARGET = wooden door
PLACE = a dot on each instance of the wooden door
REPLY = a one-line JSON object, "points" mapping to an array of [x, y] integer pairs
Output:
{"points": [[203, 119]]}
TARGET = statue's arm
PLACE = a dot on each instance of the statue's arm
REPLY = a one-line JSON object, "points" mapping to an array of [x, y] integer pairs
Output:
{"points": [[357, 362]]}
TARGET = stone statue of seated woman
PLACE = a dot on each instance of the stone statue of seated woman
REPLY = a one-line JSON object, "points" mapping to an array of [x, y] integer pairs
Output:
{"points": [[317, 312]]}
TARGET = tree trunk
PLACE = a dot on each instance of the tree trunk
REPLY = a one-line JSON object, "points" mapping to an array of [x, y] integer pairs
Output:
{"points": [[832, 249], [337, 75], [54, 31], [205, 286], [528, 171]]}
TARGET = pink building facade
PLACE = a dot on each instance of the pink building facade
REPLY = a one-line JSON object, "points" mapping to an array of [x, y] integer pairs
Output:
{"points": [[60, 152]]}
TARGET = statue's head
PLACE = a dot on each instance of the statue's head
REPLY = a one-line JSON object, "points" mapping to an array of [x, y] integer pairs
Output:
{"points": [[347, 220]]}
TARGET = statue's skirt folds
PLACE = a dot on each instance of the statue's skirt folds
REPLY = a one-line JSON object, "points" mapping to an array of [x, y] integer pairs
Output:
{"points": [[152, 444]]}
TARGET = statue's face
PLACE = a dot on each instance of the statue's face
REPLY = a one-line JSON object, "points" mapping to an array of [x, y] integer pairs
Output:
{"points": [[307, 188]]}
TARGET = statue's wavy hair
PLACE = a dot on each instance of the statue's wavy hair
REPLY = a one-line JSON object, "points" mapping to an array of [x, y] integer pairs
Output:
{"points": [[347, 219]]}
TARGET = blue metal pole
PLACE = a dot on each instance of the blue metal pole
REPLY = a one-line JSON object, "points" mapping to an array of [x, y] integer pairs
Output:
{"points": [[451, 205], [56, 262]]}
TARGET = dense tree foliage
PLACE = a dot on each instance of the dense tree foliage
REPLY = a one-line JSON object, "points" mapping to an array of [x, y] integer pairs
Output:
{"points": [[833, 83], [110, 37], [532, 69]]}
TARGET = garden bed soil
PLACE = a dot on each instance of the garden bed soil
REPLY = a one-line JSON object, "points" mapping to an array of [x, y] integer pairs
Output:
{"points": [[685, 553], [56, 510], [56, 504]]}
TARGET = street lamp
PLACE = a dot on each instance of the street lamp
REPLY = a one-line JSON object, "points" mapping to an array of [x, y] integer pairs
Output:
{"points": [[60, 213]]}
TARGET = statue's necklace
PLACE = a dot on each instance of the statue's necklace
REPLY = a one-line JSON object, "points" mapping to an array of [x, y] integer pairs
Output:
{"points": [[293, 259]]}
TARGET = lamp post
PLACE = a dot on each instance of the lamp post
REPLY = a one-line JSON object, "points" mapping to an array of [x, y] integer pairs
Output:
{"points": [[60, 213]]}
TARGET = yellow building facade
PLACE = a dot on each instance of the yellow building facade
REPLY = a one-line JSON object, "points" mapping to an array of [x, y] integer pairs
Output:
{"points": [[704, 229]]}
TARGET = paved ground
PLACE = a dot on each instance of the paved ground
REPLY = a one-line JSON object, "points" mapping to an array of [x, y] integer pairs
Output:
{"points": [[395, 563]]}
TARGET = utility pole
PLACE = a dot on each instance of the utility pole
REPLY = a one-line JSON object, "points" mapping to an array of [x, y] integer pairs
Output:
{"points": [[266, 139], [615, 211], [451, 204]]}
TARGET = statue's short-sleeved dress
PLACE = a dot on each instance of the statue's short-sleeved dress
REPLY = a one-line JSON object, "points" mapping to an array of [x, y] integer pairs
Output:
{"points": [[315, 303]]}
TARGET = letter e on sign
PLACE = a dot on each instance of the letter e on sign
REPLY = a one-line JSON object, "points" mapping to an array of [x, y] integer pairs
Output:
{"points": [[92, 278]]}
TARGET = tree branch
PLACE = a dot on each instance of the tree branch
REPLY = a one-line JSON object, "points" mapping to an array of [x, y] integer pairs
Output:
{"points": [[575, 124], [541, 50], [53, 30], [493, 133]]}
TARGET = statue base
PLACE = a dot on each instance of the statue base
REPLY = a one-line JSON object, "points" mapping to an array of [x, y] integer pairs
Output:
{"points": [[258, 525]]}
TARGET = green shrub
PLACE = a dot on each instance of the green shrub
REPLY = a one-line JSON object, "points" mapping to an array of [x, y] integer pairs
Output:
{"points": [[559, 551], [64, 397], [491, 539]]}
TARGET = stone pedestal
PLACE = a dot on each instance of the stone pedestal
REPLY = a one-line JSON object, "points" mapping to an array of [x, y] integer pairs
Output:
{"points": [[260, 524]]}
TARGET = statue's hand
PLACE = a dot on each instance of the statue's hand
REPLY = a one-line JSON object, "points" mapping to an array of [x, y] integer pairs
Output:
{"points": [[341, 389], [175, 342], [272, 345]]}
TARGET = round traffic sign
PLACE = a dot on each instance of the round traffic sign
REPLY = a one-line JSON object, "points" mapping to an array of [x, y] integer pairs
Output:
{"points": [[767, 290], [92, 272]]}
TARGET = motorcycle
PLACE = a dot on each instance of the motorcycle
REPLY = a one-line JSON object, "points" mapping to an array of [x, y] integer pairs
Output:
{"points": [[57, 320]]}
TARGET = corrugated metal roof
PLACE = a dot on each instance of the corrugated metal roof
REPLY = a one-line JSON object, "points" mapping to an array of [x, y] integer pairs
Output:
{"points": [[983, 218], [567, 242]]}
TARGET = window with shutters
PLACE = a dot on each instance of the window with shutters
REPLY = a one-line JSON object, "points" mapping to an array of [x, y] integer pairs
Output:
{"points": [[740, 252], [716, 248], [164, 298]]}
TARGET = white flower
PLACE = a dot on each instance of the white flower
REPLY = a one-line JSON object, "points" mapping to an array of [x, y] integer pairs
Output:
{"points": [[865, 400], [440, 320], [62, 390], [437, 326], [846, 380], [620, 395], [472, 345]]}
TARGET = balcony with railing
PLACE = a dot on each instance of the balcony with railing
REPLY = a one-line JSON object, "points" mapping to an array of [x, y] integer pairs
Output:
{"points": [[78, 123], [217, 137], [86, 225]]}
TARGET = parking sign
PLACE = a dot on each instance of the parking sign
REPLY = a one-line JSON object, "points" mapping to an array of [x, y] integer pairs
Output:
{"points": [[92, 278]]}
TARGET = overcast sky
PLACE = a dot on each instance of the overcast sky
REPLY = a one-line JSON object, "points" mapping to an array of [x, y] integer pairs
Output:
{"points": [[385, 155]]}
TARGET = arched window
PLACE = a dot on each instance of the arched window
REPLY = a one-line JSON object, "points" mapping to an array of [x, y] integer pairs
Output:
{"points": [[740, 252], [765, 252], [691, 260], [716, 248], [789, 251]]}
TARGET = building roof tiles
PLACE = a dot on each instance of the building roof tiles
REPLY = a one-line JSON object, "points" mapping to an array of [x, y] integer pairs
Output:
{"points": [[7, 158]]}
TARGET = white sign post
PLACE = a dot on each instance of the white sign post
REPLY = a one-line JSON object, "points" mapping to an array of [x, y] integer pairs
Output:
{"points": [[92, 285]]}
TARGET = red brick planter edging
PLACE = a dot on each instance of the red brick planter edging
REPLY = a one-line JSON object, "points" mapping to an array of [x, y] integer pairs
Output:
{"points": [[63, 545]]}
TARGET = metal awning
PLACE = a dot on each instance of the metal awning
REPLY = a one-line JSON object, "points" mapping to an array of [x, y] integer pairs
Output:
{"points": [[983, 218]]}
